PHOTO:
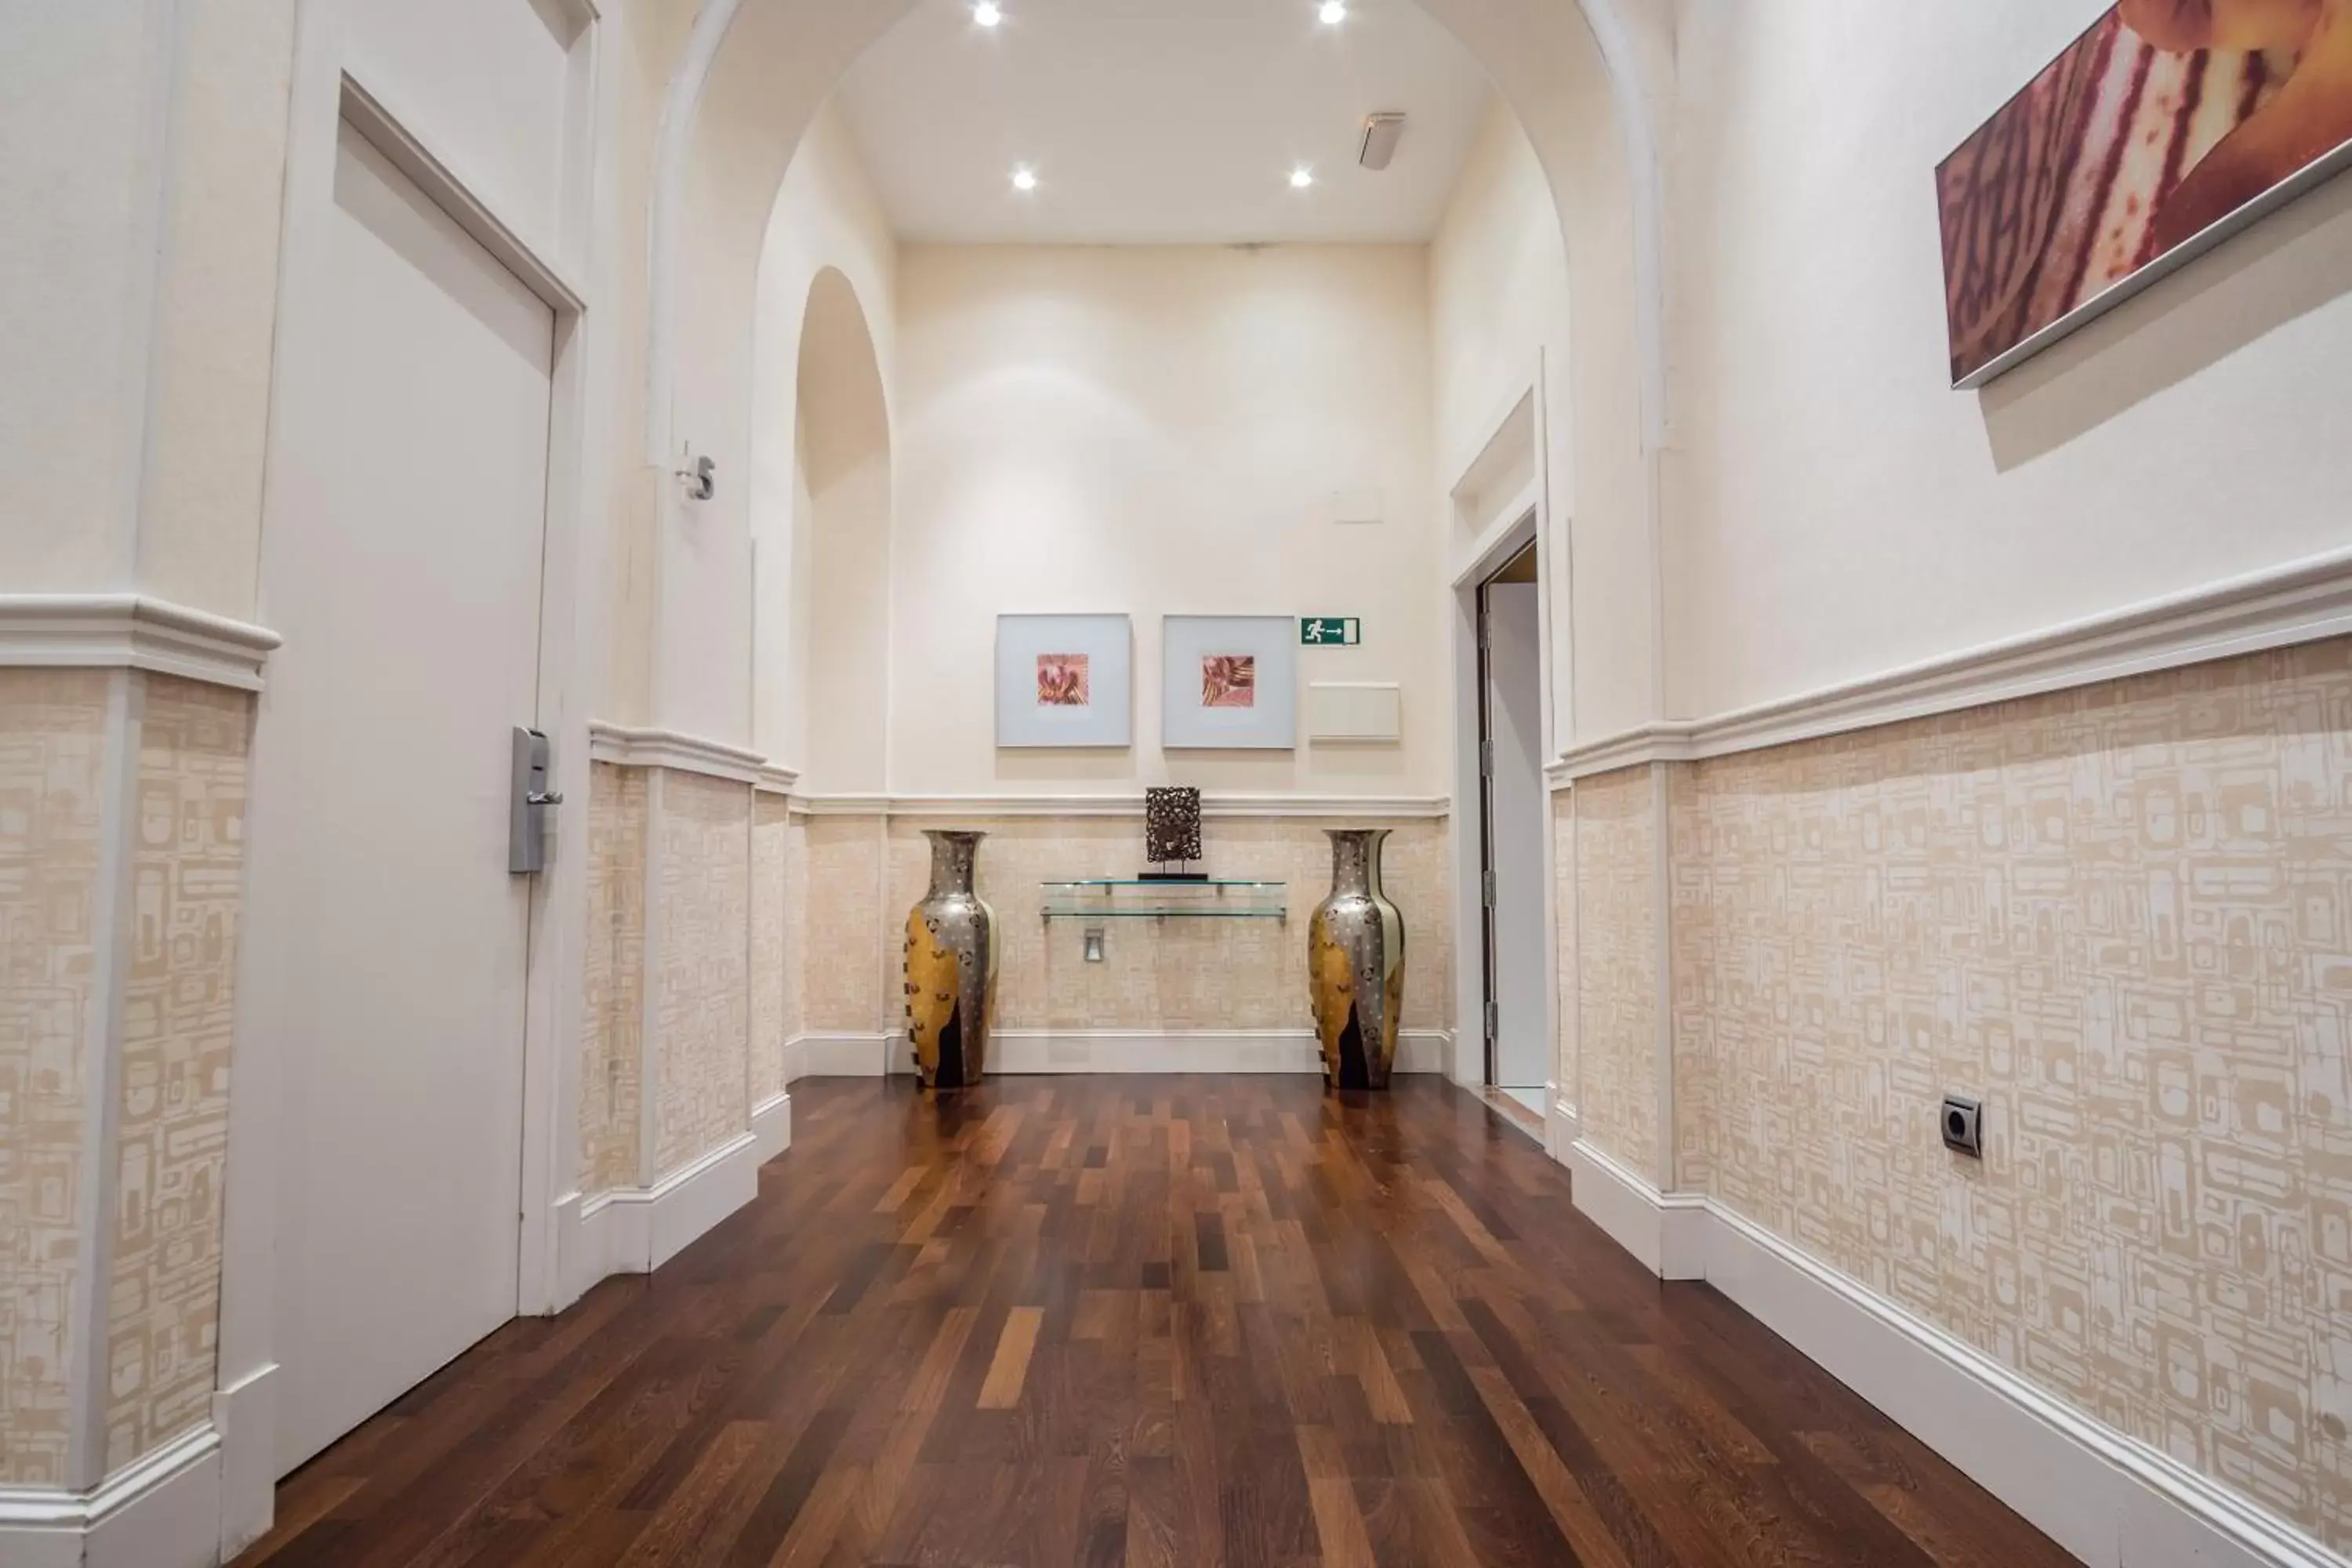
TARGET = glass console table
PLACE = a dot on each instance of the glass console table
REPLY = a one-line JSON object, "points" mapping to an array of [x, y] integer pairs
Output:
{"points": [[1130, 898]]}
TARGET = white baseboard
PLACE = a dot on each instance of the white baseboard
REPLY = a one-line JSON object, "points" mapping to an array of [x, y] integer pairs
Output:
{"points": [[1019, 1052], [246, 1414], [837, 1055], [638, 1229], [1015, 1052], [771, 1126], [1666, 1234], [1562, 1126], [1423, 1051], [161, 1511], [1022, 1052], [2110, 1499]]}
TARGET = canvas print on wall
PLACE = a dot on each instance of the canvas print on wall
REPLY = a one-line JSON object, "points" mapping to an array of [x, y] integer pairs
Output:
{"points": [[2162, 130], [1229, 681], [1063, 680]]}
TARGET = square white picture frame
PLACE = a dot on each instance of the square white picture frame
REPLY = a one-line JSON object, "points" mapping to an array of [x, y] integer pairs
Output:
{"points": [[1107, 644], [1188, 720]]}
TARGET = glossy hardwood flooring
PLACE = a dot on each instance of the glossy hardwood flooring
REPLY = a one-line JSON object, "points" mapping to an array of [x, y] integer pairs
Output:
{"points": [[1142, 1320]]}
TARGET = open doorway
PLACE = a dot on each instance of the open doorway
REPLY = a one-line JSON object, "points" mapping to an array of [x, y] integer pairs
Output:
{"points": [[1512, 858]]}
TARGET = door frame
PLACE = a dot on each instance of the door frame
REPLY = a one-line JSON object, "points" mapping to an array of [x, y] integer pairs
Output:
{"points": [[1481, 608], [571, 620], [1527, 518]]}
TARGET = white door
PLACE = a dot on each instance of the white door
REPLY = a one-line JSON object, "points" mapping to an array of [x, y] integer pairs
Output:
{"points": [[1516, 807], [391, 940]]}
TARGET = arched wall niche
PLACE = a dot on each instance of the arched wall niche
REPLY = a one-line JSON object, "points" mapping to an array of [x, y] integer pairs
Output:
{"points": [[836, 637], [1585, 81], [827, 267]]}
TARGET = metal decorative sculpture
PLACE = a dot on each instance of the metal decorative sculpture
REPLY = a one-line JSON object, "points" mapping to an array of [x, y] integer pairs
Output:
{"points": [[1355, 966], [1171, 833], [950, 968]]}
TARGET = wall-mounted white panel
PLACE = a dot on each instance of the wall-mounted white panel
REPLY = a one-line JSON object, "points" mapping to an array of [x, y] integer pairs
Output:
{"points": [[485, 83], [1355, 711]]}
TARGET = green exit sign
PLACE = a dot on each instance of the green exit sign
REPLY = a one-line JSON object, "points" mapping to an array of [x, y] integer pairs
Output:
{"points": [[1329, 631]]}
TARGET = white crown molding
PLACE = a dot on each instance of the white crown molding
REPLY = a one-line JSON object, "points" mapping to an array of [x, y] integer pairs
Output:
{"points": [[776, 780], [2299, 603], [2110, 1499], [127, 631], [1230, 807], [678, 752]]}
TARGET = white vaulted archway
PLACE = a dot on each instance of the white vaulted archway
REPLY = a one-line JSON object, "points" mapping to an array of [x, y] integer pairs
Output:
{"points": [[835, 661], [1634, 79], [1583, 80]]}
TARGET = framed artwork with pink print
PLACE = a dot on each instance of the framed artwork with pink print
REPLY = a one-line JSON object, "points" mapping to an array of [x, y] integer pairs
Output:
{"points": [[1063, 680], [1229, 681]]}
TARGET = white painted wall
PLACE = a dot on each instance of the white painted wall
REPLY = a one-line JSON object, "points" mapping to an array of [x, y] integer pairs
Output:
{"points": [[141, 163], [1837, 510], [1160, 430], [1499, 308], [489, 79]]}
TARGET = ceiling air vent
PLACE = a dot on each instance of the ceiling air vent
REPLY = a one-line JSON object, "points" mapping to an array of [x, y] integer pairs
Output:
{"points": [[1382, 133]]}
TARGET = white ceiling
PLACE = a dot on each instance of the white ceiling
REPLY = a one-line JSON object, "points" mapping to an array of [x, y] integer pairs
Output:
{"points": [[1161, 121]]}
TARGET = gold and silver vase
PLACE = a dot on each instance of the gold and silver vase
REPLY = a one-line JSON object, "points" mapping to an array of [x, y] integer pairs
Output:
{"points": [[950, 968], [1355, 964]]}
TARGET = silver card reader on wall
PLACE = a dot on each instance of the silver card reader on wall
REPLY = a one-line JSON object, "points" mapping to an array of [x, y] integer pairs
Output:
{"points": [[527, 817]]}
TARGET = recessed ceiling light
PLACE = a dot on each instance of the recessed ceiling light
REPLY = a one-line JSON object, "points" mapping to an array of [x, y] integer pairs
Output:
{"points": [[1025, 178], [987, 13], [1332, 12], [1301, 177]]}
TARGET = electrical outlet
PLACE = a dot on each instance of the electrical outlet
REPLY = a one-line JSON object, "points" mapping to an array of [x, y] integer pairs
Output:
{"points": [[1963, 1126]]}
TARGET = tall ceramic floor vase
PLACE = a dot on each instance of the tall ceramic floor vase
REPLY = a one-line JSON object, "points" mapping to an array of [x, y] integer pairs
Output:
{"points": [[1355, 964], [950, 968]]}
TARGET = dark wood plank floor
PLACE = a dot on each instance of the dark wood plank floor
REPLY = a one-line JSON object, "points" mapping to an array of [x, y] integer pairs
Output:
{"points": [[1142, 1320]]}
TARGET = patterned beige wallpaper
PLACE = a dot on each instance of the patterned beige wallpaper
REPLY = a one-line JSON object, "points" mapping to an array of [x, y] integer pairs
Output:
{"points": [[841, 965], [1563, 894], [2123, 916], [52, 762], [612, 1020], [187, 874], [1185, 975], [796, 927], [771, 892], [701, 973], [1617, 945]]}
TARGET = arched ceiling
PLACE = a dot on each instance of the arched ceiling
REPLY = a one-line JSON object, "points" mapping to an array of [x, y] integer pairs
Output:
{"points": [[1148, 122]]}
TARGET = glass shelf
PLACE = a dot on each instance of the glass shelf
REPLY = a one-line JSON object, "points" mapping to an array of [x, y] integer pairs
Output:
{"points": [[1133, 899]]}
